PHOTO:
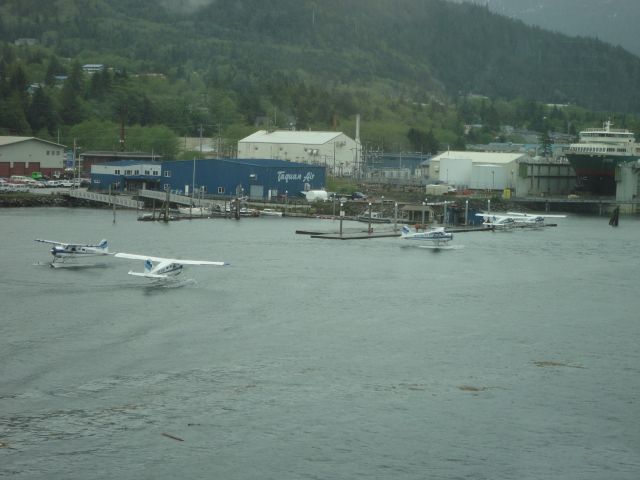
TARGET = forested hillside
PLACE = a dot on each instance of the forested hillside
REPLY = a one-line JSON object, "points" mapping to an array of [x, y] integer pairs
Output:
{"points": [[613, 21], [425, 66]]}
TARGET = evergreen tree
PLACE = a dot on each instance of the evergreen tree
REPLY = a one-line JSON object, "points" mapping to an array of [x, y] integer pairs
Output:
{"points": [[70, 109], [12, 115], [546, 143], [40, 113], [424, 142], [54, 69]]}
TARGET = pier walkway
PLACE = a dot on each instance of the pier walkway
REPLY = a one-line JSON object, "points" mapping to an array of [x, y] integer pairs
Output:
{"points": [[119, 200]]}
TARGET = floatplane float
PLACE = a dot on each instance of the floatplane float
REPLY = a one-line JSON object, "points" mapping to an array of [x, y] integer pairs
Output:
{"points": [[67, 255]]}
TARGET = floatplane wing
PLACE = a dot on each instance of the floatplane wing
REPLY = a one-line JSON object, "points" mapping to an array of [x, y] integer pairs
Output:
{"points": [[52, 242], [162, 268]]}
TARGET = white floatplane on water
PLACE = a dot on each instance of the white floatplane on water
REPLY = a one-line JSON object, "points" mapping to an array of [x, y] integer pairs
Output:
{"points": [[67, 254], [164, 269], [510, 220], [433, 237]]}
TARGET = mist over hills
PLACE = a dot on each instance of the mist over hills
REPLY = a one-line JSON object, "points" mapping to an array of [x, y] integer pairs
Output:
{"points": [[431, 46], [612, 21]]}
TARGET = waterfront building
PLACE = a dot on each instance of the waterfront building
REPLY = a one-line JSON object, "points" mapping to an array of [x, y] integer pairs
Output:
{"points": [[258, 179], [25, 155], [335, 151]]}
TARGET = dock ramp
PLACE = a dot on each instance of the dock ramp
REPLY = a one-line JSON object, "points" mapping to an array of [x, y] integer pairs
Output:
{"points": [[118, 200]]}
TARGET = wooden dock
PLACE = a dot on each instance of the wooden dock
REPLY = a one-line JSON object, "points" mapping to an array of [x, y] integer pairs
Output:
{"points": [[355, 236]]}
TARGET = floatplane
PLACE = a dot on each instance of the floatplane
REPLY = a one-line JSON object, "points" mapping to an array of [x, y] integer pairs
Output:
{"points": [[164, 269], [431, 238], [68, 254], [511, 220]]}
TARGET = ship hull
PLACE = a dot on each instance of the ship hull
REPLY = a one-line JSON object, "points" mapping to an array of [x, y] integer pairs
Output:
{"points": [[596, 173]]}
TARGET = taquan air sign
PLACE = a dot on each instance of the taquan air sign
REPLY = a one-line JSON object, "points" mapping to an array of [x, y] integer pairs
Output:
{"points": [[295, 177]]}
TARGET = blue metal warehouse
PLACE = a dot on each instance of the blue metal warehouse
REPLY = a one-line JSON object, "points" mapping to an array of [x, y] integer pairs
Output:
{"points": [[257, 178]]}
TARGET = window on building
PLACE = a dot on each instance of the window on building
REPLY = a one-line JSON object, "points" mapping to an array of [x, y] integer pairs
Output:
{"points": [[167, 187], [155, 172], [136, 172], [48, 153], [220, 190], [117, 172], [146, 172], [167, 173], [127, 172]]}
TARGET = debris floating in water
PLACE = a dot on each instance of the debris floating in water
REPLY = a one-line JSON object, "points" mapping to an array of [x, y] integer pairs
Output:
{"points": [[173, 437], [469, 388], [551, 363]]}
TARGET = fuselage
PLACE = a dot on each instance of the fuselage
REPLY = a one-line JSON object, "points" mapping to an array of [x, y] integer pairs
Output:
{"points": [[172, 269], [60, 251]]}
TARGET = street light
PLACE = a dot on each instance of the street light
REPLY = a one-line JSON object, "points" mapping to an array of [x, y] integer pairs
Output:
{"points": [[395, 216]]}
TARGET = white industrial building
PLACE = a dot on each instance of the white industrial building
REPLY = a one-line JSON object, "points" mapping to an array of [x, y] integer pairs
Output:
{"points": [[477, 170], [334, 150], [24, 155]]}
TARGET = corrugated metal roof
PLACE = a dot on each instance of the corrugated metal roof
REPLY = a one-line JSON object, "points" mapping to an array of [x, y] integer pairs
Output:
{"points": [[288, 136], [8, 140], [126, 163], [267, 162], [480, 157]]}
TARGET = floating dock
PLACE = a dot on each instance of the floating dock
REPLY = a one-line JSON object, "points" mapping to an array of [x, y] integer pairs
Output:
{"points": [[364, 234]]}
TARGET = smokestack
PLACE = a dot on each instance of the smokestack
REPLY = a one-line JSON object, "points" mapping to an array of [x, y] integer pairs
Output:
{"points": [[358, 128]]}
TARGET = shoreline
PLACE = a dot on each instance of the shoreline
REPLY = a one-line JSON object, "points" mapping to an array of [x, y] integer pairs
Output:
{"points": [[19, 200]]}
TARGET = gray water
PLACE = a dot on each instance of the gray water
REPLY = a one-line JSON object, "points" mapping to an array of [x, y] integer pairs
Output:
{"points": [[513, 356]]}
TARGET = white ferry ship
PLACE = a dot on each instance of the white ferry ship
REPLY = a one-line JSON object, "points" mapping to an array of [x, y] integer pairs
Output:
{"points": [[596, 155]]}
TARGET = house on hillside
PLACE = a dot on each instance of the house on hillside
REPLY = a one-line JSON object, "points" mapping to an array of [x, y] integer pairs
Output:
{"points": [[25, 155], [333, 150], [92, 68]]}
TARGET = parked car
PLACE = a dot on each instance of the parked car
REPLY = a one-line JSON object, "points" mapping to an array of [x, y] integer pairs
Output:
{"points": [[358, 196]]}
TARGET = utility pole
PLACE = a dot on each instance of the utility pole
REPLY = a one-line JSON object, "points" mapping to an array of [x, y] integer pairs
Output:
{"points": [[122, 129]]}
